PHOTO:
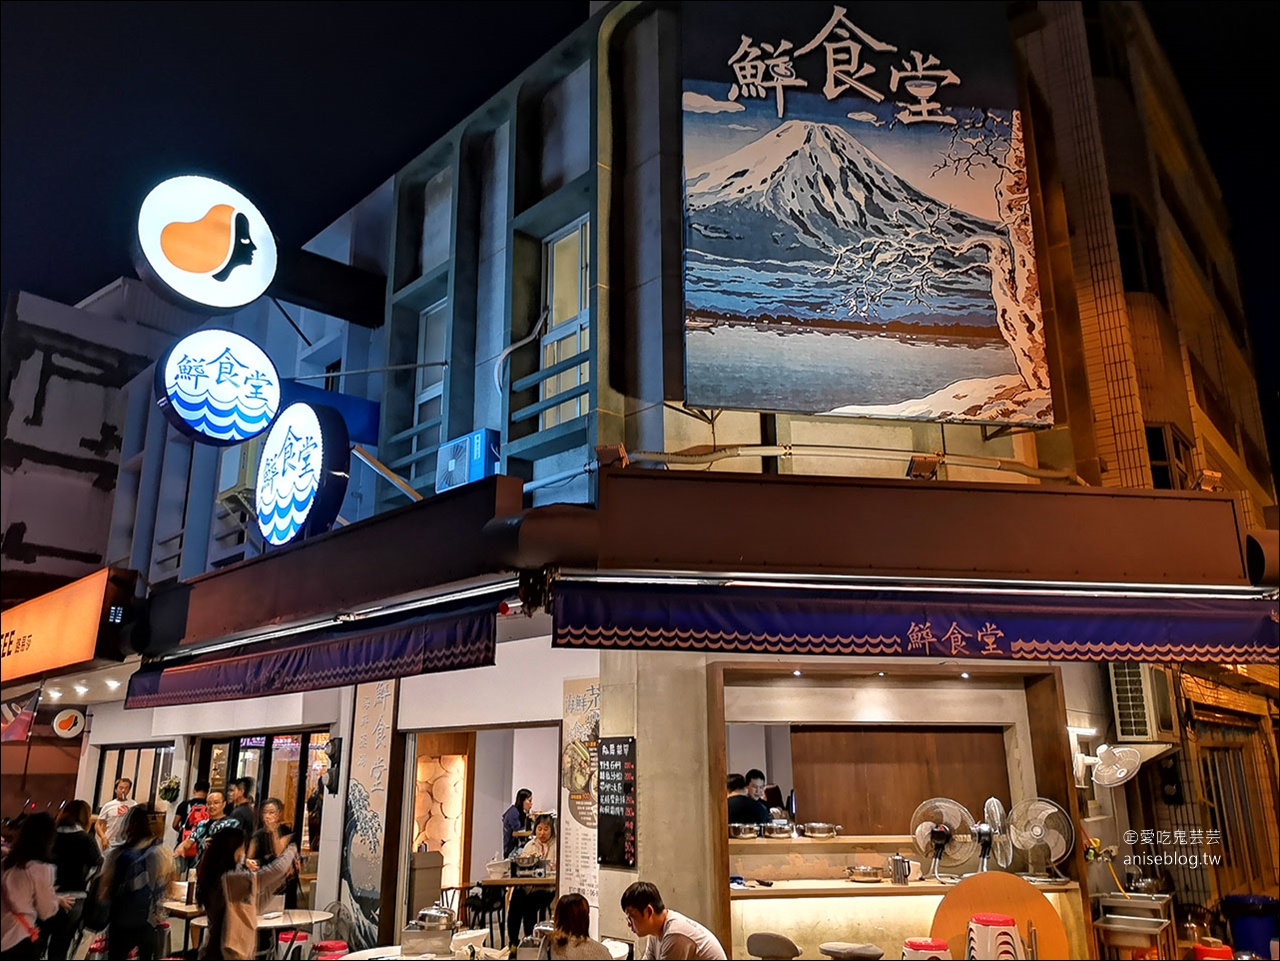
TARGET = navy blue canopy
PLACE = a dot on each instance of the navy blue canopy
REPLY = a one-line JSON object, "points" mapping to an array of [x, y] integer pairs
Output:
{"points": [[948, 624]]}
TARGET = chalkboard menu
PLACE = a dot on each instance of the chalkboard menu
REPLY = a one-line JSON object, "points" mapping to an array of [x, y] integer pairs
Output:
{"points": [[616, 824]]}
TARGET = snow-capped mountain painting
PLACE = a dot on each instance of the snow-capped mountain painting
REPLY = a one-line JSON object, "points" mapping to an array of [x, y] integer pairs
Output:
{"points": [[850, 255]]}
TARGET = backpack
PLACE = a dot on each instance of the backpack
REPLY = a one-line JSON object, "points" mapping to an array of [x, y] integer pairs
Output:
{"points": [[131, 885], [197, 813]]}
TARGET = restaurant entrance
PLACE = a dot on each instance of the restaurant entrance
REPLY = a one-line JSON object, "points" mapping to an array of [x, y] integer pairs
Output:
{"points": [[287, 765]]}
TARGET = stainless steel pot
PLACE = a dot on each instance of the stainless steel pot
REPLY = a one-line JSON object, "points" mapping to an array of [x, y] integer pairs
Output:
{"points": [[431, 933], [776, 830], [820, 829], [867, 873], [744, 830], [525, 860]]}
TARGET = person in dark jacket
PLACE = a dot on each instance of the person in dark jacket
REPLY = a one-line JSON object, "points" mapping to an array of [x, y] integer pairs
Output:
{"points": [[516, 818], [76, 857], [134, 879], [222, 879]]}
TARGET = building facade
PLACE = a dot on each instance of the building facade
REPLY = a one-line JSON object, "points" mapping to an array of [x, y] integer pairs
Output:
{"points": [[561, 271]]}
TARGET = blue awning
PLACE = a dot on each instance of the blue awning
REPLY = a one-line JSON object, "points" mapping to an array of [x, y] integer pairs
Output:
{"points": [[333, 657], [948, 624]]}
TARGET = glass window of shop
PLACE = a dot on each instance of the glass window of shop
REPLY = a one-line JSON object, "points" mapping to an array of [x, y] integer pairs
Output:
{"points": [[289, 766], [146, 765]]}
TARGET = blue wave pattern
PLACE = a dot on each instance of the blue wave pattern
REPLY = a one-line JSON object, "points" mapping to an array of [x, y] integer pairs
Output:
{"points": [[288, 474], [222, 385]]}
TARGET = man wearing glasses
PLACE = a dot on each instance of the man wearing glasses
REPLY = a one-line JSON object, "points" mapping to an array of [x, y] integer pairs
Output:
{"points": [[672, 936]]}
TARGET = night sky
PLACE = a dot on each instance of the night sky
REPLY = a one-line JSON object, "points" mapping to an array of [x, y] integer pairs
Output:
{"points": [[308, 107]]}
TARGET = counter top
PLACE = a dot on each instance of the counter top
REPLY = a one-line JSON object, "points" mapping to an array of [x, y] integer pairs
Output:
{"points": [[841, 842], [857, 889]]}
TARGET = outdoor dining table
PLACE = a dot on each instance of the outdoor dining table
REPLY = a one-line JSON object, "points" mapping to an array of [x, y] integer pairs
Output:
{"points": [[188, 913], [292, 920]]}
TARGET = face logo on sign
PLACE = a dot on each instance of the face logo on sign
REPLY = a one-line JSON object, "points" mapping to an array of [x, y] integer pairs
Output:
{"points": [[302, 473], [206, 242], [218, 387], [68, 723]]}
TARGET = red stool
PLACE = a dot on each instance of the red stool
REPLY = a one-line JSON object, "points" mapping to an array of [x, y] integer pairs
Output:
{"points": [[290, 937], [332, 947]]}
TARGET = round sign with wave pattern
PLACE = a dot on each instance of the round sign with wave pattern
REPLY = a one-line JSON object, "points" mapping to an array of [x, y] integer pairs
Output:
{"points": [[302, 473], [218, 387]]}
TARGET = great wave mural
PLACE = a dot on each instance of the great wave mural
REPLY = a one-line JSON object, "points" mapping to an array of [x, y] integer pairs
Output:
{"points": [[857, 214]]}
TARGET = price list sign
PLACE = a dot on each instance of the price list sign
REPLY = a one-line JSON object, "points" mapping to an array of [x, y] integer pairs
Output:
{"points": [[616, 825]]}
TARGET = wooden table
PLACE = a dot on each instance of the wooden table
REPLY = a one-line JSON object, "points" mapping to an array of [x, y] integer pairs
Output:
{"points": [[547, 882]]}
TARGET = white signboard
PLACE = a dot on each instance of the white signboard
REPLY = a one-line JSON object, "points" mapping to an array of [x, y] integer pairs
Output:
{"points": [[295, 472], [579, 771], [206, 242], [218, 387]]}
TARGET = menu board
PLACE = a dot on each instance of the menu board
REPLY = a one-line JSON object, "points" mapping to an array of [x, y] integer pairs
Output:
{"points": [[616, 825]]}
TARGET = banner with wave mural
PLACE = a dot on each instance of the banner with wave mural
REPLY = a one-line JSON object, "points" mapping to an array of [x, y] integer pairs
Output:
{"points": [[973, 626]]}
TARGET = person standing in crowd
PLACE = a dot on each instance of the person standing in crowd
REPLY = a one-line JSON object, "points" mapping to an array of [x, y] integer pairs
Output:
{"points": [[672, 936], [742, 808], [27, 893], [315, 815], [76, 856], [192, 849], [571, 940], [240, 800], [268, 843], [133, 881], [232, 895], [516, 818], [188, 814], [112, 817]]}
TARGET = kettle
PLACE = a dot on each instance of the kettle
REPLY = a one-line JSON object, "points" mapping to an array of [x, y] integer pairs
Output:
{"points": [[899, 869]]}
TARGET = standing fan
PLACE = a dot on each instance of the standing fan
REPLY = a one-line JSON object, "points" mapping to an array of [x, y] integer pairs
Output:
{"points": [[1042, 829], [991, 834], [943, 830]]}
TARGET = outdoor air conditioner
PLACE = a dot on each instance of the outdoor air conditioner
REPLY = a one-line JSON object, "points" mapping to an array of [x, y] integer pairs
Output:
{"points": [[466, 459], [238, 476], [1143, 698]]}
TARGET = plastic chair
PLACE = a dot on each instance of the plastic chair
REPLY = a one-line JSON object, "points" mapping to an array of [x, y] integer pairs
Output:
{"points": [[487, 908], [772, 947]]}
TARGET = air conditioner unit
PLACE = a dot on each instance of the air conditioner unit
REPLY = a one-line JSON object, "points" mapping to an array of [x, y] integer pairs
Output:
{"points": [[1143, 698], [466, 459], [238, 476]]}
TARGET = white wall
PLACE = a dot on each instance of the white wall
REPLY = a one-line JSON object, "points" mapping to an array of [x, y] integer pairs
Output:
{"points": [[525, 685], [535, 764], [493, 794], [745, 747], [777, 748]]}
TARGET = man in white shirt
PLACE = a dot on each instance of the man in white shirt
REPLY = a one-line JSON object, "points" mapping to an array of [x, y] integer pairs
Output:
{"points": [[672, 936], [111, 819]]}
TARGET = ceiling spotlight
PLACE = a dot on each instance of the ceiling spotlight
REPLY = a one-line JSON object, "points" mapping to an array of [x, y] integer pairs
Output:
{"points": [[795, 673], [923, 467], [965, 675], [879, 673], [81, 690], [112, 683], [53, 694]]}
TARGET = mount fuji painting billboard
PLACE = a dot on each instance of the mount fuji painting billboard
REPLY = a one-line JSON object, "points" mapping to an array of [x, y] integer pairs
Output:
{"points": [[858, 231]]}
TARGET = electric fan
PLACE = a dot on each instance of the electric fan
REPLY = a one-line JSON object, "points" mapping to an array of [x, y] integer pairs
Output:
{"points": [[1042, 829], [1113, 765], [991, 834], [943, 831]]}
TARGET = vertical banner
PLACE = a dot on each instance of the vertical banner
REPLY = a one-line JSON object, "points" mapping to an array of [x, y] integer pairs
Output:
{"points": [[579, 771], [367, 803]]}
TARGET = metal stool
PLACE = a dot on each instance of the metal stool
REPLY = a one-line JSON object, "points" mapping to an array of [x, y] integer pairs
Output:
{"points": [[773, 947]]}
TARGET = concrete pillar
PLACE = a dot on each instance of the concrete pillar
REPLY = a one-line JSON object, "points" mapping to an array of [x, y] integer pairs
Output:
{"points": [[661, 700]]}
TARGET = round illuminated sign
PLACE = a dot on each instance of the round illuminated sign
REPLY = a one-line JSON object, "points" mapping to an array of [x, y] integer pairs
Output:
{"points": [[68, 723], [302, 473], [218, 387], [205, 242]]}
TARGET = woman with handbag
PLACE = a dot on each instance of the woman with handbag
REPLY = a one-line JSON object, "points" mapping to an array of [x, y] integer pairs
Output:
{"points": [[27, 893], [76, 856], [232, 895]]}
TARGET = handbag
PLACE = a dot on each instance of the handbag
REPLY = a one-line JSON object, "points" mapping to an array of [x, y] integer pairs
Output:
{"points": [[240, 925]]}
